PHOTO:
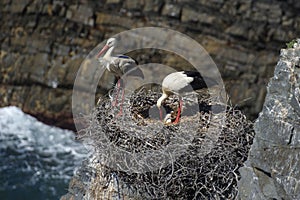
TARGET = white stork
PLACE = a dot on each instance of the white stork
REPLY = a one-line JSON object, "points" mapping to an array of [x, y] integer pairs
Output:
{"points": [[180, 82], [118, 65]]}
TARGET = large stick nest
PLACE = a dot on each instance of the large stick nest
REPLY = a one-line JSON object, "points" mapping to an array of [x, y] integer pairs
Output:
{"points": [[198, 158]]}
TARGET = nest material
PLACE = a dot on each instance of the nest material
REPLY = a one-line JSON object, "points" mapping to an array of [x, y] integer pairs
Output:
{"points": [[206, 148]]}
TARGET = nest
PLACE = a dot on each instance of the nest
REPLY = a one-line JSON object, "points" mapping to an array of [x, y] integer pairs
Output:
{"points": [[198, 158]]}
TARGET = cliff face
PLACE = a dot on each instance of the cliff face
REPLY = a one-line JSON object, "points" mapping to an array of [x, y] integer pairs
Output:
{"points": [[272, 170], [43, 43]]}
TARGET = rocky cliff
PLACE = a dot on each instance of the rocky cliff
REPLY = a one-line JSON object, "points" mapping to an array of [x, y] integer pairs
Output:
{"points": [[272, 169], [43, 43]]}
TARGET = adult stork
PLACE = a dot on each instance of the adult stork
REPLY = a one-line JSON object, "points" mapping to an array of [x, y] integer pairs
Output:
{"points": [[118, 65], [180, 82]]}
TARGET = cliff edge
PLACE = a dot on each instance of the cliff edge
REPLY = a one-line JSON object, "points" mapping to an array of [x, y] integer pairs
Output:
{"points": [[272, 170]]}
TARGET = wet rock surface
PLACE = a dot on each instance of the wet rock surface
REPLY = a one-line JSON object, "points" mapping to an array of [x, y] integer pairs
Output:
{"points": [[272, 169], [43, 43]]}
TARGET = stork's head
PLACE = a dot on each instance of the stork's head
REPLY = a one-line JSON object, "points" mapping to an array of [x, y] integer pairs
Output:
{"points": [[110, 43]]}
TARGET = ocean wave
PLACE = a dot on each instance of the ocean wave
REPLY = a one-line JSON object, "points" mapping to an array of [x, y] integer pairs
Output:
{"points": [[37, 160]]}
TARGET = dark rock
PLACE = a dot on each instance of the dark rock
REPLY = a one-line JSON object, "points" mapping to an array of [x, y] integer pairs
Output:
{"points": [[57, 8], [18, 6], [5, 2], [259, 16], [278, 34], [297, 23], [19, 95], [134, 4], [35, 7], [35, 67], [230, 7], [236, 55], [82, 14], [192, 15], [48, 105], [152, 5], [217, 4], [238, 29], [113, 1], [56, 74], [265, 58], [112, 19], [72, 67], [245, 8], [61, 50], [171, 10], [19, 40], [37, 97], [261, 94], [38, 45], [287, 21], [5, 95]]}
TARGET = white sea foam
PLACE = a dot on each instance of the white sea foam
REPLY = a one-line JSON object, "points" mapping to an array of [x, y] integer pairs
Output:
{"points": [[34, 153]]}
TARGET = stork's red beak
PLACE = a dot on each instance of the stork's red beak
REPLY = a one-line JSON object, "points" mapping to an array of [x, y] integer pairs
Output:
{"points": [[102, 51]]}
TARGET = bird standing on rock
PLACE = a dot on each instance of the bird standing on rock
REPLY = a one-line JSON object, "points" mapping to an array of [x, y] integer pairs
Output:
{"points": [[118, 65], [180, 82]]}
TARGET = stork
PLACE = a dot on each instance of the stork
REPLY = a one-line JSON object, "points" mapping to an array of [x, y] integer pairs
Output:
{"points": [[118, 65], [179, 82]]}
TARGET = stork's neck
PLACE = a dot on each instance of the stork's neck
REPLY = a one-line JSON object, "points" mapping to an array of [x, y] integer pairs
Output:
{"points": [[108, 53], [160, 100]]}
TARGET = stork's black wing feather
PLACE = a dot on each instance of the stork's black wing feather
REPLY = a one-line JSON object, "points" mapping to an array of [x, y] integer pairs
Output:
{"points": [[123, 56], [136, 62], [198, 81], [192, 74], [127, 57]]}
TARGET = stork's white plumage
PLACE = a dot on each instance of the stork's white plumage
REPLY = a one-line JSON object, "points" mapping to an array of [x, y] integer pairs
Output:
{"points": [[180, 82], [118, 65]]}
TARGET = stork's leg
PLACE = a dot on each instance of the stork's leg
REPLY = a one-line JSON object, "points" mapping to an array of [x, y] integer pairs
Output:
{"points": [[121, 105], [115, 102], [179, 111], [160, 114]]}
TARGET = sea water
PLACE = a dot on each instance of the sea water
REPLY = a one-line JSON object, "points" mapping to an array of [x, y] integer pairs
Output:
{"points": [[37, 161]]}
